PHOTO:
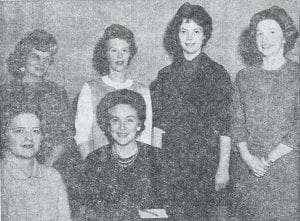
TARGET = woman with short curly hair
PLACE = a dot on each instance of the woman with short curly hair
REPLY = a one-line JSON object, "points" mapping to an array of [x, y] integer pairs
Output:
{"points": [[266, 122], [191, 100], [28, 65], [112, 56], [124, 176]]}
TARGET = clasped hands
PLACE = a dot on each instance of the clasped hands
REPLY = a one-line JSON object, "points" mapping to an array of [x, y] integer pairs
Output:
{"points": [[259, 167]]}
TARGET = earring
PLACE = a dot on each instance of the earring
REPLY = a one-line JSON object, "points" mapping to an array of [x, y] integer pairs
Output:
{"points": [[22, 69]]}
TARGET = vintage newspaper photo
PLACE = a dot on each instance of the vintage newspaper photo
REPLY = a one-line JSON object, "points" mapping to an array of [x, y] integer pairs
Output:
{"points": [[180, 110]]}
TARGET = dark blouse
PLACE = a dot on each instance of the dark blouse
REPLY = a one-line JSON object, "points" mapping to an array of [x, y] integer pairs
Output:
{"points": [[54, 105], [113, 191], [198, 92]]}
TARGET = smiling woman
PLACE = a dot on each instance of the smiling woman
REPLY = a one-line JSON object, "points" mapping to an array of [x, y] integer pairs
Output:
{"points": [[124, 176], [112, 56], [28, 64], [29, 190], [191, 100]]}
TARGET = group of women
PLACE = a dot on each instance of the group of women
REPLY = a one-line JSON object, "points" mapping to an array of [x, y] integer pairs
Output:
{"points": [[165, 147]]}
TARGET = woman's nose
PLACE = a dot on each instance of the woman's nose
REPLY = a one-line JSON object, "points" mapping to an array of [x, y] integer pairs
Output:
{"points": [[189, 36], [28, 136], [120, 54]]}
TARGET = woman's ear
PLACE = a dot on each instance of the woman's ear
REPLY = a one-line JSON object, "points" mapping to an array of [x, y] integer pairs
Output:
{"points": [[139, 126]]}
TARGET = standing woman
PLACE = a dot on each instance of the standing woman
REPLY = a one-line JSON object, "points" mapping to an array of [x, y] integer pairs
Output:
{"points": [[266, 122], [28, 65], [112, 56], [191, 98]]}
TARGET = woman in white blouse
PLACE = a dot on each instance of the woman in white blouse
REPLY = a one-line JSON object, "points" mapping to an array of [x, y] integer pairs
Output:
{"points": [[112, 56]]}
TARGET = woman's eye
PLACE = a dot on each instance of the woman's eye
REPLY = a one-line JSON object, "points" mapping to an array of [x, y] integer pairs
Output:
{"points": [[37, 131], [114, 120], [182, 31], [125, 51], [19, 131]]}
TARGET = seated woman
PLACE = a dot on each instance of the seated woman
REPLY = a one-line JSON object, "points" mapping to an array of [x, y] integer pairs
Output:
{"points": [[28, 65], [29, 190], [123, 176], [112, 56]]}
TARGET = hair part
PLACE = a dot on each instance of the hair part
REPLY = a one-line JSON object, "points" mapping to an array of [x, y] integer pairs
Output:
{"points": [[100, 61]]}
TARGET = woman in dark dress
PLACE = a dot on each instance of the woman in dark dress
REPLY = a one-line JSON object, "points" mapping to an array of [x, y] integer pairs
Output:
{"points": [[123, 176], [28, 65], [191, 99], [266, 123]]}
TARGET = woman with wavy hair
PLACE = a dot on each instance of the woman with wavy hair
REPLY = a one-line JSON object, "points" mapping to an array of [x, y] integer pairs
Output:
{"points": [[266, 122], [28, 65], [112, 56], [29, 190], [191, 100]]}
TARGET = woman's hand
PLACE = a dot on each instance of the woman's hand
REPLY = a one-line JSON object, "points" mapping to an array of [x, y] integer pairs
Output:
{"points": [[256, 166], [221, 178]]}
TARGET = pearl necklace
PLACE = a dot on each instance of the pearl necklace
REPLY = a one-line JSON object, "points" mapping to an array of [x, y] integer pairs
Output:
{"points": [[124, 162]]}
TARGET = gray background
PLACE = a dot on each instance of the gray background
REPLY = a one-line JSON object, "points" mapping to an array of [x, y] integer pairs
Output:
{"points": [[77, 26]]}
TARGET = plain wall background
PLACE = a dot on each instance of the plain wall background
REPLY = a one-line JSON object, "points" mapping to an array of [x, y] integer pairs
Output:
{"points": [[78, 24]]}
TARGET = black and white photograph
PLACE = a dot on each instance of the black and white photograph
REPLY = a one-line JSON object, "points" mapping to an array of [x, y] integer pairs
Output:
{"points": [[132, 110]]}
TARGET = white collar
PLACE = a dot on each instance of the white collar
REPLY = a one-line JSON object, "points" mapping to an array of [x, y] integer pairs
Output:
{"points": [[117, 85]]}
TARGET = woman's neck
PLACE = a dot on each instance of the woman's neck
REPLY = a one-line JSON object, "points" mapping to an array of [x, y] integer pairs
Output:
{"points": [[190, 57], [24, 164], [125, 151], [116, 76], [273, 62]]}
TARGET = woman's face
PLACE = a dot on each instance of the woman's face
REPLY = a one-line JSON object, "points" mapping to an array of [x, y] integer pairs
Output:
{"points": [[24, 135], [269, 38], [37, 64], [118, 54], [124, 124], [191, 37]]}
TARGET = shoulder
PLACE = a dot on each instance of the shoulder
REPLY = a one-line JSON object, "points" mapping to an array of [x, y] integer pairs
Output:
{"points": [[149, 150], [218, 69], [247, 73], [163, 75], [293, 68], [98, 156], [49, 172]]}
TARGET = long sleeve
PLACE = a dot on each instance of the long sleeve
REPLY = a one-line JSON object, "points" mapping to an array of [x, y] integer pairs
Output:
{"points": [[220, 102], [292, 138], [84, 115], [63, 203], [238, 122]]}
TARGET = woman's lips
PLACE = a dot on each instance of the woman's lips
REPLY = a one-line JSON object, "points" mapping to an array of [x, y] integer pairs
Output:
{"points": [[119, 62]]}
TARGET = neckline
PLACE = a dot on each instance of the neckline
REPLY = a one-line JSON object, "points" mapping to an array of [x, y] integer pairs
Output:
{"points": [[276, 70], [17, 173], [117, 85]]}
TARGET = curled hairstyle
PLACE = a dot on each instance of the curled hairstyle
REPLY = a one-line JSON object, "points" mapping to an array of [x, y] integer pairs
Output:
{"points": [[100, 61], [283, 19], [111, 99], [8, 112], [37, 39], [191, 12]]}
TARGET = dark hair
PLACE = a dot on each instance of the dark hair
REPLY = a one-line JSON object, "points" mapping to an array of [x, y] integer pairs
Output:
{"points": [[283, 19], [100, 61], [37, 39], [114, 98], [8, 112], [187, 11]]}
